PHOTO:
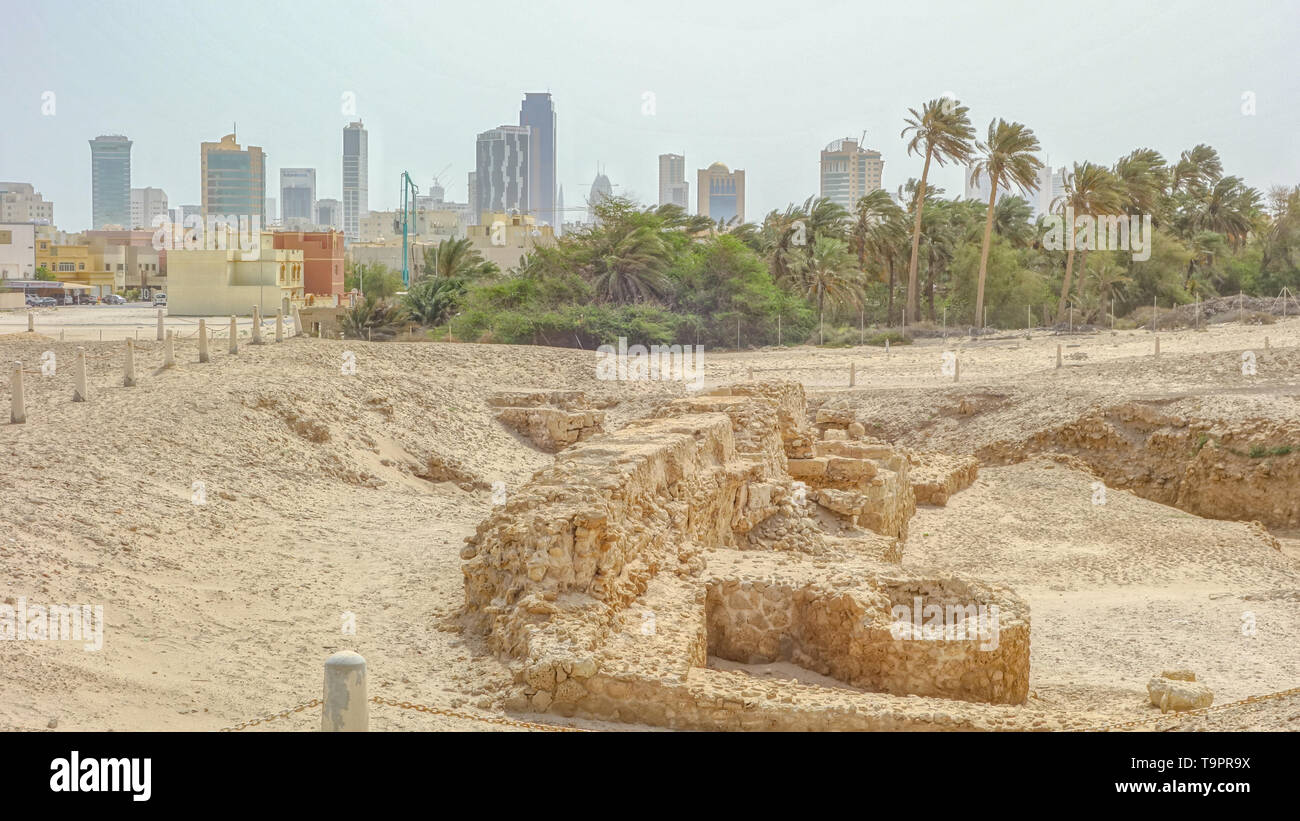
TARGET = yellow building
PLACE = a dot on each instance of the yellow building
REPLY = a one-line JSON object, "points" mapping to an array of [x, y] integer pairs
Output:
{"points": [[504, 238], [232, 281], [76, 264]]}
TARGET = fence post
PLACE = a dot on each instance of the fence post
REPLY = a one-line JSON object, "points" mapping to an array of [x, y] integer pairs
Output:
{"points": [[1157, 344], [297, 321], [169, 351], [80, 392], [956, 370], [346, 709], [203, 341], [279, 326], [1058, 356], [257, 325], [31, 322], [18, 400], [160, 325], [853, 374], [234, 335], [128, 368]]}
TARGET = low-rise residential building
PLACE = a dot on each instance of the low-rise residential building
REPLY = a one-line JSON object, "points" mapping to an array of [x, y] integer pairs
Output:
{"points": [[232, 281], [17, 250], [322, 259], [504, 238]]}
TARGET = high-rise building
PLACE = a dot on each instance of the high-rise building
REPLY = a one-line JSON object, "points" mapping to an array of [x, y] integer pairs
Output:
{"points": [[146, 204], [473, 198], [538, 114], [1051, 187], [356, 176], [272, 211], [673, 187], [297, 194], [849, 172], [601, 190], [234, 180], [502, 169], [110, 181], [329, 214], [720, 193], [20, 202]]}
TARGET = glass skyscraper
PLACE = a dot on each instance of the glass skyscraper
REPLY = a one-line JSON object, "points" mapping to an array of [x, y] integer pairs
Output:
{"points": [[110, 181]]}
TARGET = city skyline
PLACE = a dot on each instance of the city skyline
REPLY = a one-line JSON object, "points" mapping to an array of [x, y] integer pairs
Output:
{"points": [[628, 115]]}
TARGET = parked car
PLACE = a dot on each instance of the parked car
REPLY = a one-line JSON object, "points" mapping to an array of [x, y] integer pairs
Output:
{"points": [[159, 299], [114, 299], [46, 302]]}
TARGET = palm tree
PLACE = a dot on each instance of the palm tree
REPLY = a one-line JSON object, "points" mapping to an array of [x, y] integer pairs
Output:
{"points": [[1008, 159], [1228, 207], [1089, 189], [1143, 176], [626, 263], [942, 131], [457, 258], [879, 230], [827, 271], [1012, 221]]}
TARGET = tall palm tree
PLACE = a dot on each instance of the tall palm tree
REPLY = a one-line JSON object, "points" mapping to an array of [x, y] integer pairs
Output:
{"points": [[626, 263], [879, 231], [457, 258], [1012, 221], [828, 271], [942, 132], [1227, 207], [1143, 176], [1007, 159], [1089, 189]]}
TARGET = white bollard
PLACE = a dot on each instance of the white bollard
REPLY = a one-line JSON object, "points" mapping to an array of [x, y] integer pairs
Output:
{"points": [[31, 322], [346, 709], [80, 390], [160, 325], [169, 351], [297, 322], [257, 325], [18, 399], [279, 326], [234, 335], [886, 347], [203, 341], [128, 368]]}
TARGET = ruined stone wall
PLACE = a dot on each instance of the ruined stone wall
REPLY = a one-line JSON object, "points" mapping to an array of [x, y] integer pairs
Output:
{"points": [[551, 420]]}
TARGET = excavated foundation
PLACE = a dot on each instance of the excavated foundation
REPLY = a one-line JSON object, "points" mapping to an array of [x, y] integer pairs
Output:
{"points": [[611, 577]]}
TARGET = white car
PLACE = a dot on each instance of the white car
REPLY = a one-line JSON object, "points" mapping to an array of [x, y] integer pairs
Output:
{"points": [[159, 299]]}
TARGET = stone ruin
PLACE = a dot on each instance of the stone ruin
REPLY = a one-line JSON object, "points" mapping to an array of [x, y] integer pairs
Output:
{"points": [[656, 573], [551, 420]]}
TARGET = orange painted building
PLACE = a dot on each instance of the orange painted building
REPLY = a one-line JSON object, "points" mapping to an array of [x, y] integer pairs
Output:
{"points": [[322, 258]]}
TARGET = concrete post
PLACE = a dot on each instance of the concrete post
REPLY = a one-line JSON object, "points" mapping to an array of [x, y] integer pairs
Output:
{"points": [[279, 326], [886, 347], [257, 325], [160, 325], [128, 368], [203, 341], [234, 335], [853, 374], [31, 322], [80, 391], [1157, 344], [18, 399], [1059, 363], [956, 370], [169, 351], [297, 322], [346, 709]]}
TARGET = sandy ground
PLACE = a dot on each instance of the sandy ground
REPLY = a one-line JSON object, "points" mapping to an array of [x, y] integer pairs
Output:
{"points": [[314, 509]]}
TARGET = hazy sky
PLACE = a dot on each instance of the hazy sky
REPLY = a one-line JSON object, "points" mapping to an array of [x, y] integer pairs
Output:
{"points": [[759, 85]]}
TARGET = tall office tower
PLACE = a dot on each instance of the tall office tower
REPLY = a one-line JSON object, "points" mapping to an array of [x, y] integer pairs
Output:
{"points": [[673, 187], [720, 193], [272, 211], [297, 194], [601, 190], [849, 172], [538, 114], [110, 180], [473, 198], [502, 169], [356, 198], [234, 180], [329, 214], [147, 203], [559, 212]]}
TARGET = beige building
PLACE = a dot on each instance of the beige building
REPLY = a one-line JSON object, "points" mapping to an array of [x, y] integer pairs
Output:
{"points": [[720, 193], [17, 251], [849, 172], [388, 254], [20, 202], [504, 238], [218, 283], [431, 226]]}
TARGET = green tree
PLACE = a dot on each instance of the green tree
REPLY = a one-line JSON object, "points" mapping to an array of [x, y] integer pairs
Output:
{"points": [[1006, 159], [942, 132], [1090, 189], [44, 275]]}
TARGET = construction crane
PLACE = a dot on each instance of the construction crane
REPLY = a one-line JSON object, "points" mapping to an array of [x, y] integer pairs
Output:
{"points": [[409, 225]]}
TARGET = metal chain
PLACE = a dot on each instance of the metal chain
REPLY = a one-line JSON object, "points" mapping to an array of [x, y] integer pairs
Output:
{"points": [[1179, 716], [407, 705], [252, 722]]}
